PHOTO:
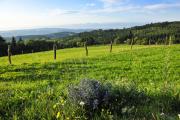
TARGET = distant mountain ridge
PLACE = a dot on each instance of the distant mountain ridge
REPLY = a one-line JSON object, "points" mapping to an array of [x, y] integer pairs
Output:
{"points": [[43, 37], [163, 33], [50, 36], [40, 31], [75, 28]]}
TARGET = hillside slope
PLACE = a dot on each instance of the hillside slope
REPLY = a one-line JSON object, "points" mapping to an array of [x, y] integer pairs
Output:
{"points": [[155, 33], [144, 83], [64, 54]]}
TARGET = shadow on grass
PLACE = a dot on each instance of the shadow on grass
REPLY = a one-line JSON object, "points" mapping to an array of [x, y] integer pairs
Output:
{"points": [[128, 102], [132, 103], [124, 102], [121, 101], [68, 69]]}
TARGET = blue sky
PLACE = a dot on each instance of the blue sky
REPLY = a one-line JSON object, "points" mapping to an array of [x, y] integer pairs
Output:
{"points": [[20, 14]]}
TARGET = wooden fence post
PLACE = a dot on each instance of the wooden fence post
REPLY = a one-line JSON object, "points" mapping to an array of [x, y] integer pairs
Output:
{"points": [[54, 48], [166, 40], [132, 42], [111, 46], [85, 45], [170, 40], [9, 53]]}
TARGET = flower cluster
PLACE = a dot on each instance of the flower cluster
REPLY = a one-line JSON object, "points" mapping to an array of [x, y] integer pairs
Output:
{"points": [[59, 108]]}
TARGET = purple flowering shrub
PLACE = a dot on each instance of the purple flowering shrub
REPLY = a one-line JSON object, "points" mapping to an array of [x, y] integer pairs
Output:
{"points": [[89, 93]]}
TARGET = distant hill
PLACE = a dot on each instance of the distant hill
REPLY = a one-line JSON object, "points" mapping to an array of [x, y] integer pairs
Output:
{"points": [[154, 33], [40, 31], [47, 36], [43, 37]]}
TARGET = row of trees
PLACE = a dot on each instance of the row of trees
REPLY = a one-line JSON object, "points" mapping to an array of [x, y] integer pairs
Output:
{"points": [[158, 33], [20, 46], [125, 37]]}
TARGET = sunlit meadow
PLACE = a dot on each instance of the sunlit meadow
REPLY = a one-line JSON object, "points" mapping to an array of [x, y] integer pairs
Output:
{"points": [[147, 79]]}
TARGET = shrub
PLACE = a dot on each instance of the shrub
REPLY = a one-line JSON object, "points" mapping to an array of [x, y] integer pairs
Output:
{"points": [[89, 93], [91, 97]]}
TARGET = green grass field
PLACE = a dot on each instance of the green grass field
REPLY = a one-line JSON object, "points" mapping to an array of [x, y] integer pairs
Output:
{"points": [[32, 86]]}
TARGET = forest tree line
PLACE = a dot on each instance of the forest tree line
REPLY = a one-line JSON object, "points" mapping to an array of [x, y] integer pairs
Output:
{"points": [[158, 33]]}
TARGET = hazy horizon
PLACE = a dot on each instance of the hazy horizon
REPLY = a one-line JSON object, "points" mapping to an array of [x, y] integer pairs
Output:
{"points": [[28, 14], [114, 25]]}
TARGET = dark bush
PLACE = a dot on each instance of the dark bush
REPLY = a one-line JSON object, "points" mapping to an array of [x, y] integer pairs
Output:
{"points": [[89, 93], [94, 97]]}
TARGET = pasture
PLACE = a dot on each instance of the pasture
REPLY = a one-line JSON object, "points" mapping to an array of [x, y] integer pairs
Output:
{"points": [[36, 86]]}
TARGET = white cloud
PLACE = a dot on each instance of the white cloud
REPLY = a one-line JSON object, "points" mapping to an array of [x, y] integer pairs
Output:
{"points": [[90, 4], [108, 3], [133, 8], [113, 9], [162, 6], [57, 11]]}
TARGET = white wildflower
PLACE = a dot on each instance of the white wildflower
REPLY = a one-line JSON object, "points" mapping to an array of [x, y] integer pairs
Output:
{"points": [[162, 114], [82, 103]]}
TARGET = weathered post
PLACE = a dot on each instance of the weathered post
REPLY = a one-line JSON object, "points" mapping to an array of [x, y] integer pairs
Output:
{"points": [[170, 40], [131, 36], [111, 46], [166, 40], [85, 45], [9, 53], [132, 42], [54, 48]]}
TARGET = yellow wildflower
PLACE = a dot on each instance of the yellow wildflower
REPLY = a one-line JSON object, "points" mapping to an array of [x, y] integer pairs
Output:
{"points": [[54, 106], [73, 113], [58, 115], [67, 118], [62, 101]]}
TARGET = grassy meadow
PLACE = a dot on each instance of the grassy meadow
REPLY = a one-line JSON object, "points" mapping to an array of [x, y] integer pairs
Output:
{"points": [[35, 87]]}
